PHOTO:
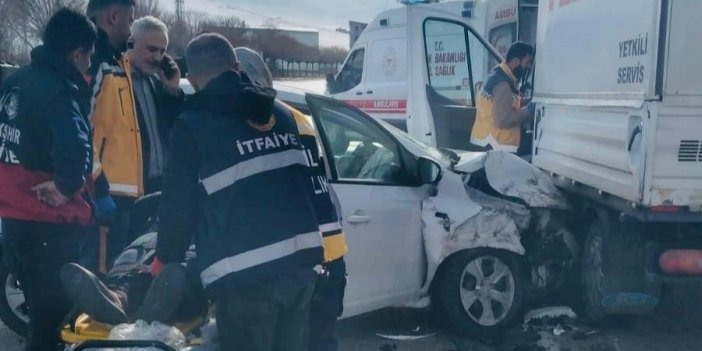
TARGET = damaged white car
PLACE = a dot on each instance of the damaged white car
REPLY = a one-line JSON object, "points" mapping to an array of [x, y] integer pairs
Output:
{"points": [[472, 234]]}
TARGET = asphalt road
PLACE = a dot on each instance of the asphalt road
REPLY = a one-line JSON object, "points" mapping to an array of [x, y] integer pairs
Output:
{"points": [[677, 325]]}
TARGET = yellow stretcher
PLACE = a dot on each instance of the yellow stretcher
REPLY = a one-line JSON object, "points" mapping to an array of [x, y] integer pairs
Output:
{"points": [[86, 333]]}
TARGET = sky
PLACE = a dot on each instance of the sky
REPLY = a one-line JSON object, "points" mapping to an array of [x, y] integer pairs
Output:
{"points": [[322, 15]]}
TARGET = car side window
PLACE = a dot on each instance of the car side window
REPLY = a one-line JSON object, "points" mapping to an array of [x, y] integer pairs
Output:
{"points": [[352, 72], [360, 149]]}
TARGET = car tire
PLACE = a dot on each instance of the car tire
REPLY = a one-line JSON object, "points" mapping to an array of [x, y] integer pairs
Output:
{"points": [[13, 310], [604, 274], [474, 279]]}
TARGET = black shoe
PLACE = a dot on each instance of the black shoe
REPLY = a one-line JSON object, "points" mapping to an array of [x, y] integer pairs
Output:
{"points": [[91, 296], [164, 295]]}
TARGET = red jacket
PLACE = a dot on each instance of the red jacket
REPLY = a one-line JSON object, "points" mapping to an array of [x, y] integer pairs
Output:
{"points": [[18, 201]]}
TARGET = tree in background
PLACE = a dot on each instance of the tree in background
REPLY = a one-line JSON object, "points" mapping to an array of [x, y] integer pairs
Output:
{"points": [[147, 8], [23, 23]]}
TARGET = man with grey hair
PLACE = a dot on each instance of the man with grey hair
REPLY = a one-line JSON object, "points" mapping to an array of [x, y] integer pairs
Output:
{"points": [[155, 80], [238, 180]]}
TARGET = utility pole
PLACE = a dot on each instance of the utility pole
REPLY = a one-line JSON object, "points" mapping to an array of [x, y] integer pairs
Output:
{"points": [[179, 9]]}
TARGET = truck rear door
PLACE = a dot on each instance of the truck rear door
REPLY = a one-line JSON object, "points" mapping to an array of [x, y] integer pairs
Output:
{"points": [[675, 151]]}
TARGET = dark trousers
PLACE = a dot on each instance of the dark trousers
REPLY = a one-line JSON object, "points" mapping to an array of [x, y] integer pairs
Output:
{"points": [[327, 306], [134, 282], [118, 237], [35, 252], [270, 316]]}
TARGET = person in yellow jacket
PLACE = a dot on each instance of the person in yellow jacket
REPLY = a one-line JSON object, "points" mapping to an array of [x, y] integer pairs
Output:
{"points": [[328, 298], [500, 116]]}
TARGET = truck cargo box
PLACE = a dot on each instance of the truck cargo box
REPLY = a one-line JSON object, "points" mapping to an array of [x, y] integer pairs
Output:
{"points": [[619, 92]]}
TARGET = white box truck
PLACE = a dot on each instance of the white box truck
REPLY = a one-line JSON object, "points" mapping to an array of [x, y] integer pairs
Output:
{"points": [[619, 127]]}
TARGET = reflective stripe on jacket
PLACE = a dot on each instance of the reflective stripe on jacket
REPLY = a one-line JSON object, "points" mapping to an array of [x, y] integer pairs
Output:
{"points": [[334, 238]]}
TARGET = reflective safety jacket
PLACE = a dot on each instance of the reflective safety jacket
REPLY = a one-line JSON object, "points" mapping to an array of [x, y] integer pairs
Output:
{"points": [[117, 139], [485, 130]]}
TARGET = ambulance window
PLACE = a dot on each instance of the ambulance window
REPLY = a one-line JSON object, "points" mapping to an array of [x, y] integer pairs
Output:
{"points": [[351, 74], [501, 38], [447, 60], [482, 60]]}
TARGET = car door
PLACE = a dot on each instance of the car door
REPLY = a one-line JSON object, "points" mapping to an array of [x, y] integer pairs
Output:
{"points": [[381, 206], [454, 64]]}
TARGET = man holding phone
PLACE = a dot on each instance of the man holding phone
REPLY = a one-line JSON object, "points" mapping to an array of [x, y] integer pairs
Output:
{"points": [[155, 80]]}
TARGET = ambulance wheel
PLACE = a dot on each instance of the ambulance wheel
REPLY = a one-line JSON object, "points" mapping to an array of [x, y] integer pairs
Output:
{"points": [[13, 308], [480, 291]]}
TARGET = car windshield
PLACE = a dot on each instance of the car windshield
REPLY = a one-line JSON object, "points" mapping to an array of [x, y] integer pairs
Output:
{"points": [[406, 139]]}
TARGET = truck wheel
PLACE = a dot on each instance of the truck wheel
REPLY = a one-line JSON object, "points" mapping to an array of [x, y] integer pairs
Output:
{"points": [[13, 309], [481, 291], [593, 276], [613, 274]]}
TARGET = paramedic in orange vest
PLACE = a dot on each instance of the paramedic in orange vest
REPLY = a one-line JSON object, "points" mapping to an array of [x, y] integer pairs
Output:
{"points": [[500, 117]]}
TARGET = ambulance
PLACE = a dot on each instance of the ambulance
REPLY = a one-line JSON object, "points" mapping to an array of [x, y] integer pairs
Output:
{"points": [[419, 67]]}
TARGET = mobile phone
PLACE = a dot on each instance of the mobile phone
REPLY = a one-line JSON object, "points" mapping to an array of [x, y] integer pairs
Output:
{"points": [[166, 67]]}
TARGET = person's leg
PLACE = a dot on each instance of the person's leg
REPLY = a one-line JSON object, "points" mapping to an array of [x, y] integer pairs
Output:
{"points": [[118, 235], [132, 286], [246, 318], [164, 295], [295, 293], [326, 306], [89, 295], [195, 302], [42, 250], [89, 248]]}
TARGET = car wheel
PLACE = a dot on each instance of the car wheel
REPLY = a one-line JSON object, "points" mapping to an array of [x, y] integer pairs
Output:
{"points": [[481, 291], [13, 308]]}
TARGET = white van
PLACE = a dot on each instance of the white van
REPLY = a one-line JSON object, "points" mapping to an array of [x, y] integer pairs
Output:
{"points": [[420, 67]]}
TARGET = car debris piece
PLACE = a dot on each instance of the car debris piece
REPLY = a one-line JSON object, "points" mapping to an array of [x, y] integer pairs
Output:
{"points": [[549, 315]]}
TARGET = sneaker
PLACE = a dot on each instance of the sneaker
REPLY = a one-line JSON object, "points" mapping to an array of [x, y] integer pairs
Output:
{"points": [[91, 296], [164, 295]]}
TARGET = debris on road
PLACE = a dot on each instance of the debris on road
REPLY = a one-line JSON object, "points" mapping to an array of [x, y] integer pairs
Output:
{"points": [[550, 316], [415, 334]]}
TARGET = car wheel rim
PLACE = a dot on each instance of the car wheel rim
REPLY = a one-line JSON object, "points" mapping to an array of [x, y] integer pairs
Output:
{"points": [[487, 290], [15, 298]]}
